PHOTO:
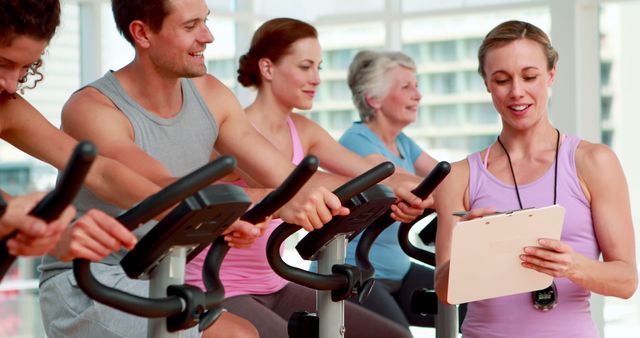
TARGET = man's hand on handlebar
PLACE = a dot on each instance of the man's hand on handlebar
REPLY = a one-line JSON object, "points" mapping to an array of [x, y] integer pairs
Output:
{"points": [[93, 236]]}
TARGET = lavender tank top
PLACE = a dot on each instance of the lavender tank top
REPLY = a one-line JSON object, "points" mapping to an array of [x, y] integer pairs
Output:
{"points": [[247, 271], [514, 316]]}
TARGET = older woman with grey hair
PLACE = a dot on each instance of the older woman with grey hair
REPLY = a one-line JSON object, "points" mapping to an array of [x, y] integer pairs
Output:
{"points": [[385, 92]]}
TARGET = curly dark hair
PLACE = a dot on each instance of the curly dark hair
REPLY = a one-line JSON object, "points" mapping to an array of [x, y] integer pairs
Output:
{"points": [[37, 19]]}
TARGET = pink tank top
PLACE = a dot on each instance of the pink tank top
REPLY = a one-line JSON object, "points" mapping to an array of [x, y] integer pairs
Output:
{"points": [[247, 271], [514, 316]]}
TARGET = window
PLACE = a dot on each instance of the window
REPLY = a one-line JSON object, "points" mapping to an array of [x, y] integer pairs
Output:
{"points": [[338, 59], [341, 119], [450, 142], [416, 51], [442, 83], [444, 115], [223, 68], [479, 142], [481, 114], [442, 51], [473, 82], [605, 73], [605, 108], [338, 90], [470, 48]]}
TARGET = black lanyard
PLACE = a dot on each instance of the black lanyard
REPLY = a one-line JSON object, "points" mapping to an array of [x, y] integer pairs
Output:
{"points": [[555, 177]]}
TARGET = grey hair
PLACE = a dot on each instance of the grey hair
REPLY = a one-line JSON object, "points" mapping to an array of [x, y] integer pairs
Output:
{"points": [[366, 77]]}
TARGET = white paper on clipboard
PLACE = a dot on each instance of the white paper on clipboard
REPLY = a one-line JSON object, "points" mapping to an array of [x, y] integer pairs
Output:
{"points": [[485, 253]]}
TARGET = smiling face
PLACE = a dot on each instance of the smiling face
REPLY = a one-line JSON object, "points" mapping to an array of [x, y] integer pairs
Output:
{"points": [[15, 59], [400, 104], [518, 80], [177, 49], [295, 77]]}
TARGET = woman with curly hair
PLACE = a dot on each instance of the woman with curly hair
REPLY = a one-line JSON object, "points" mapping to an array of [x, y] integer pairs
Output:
{"points": [[26, 29]]}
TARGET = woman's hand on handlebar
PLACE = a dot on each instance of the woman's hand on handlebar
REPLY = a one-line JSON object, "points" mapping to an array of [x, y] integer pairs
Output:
{"points": [[409, 206], [242, 234], [35, 237], [93, 236]]}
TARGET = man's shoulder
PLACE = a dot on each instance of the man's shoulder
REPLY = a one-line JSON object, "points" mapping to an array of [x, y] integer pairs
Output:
{"points": [[215, 94], [88, 96], [208, 83]]}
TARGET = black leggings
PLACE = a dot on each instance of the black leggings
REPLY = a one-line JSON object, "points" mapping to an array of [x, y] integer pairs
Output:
{"points": [[392, 299], [270, 313]]}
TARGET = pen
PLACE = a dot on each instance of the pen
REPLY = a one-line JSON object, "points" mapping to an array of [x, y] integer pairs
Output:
{"points": [[461, 213], [465, 212]]}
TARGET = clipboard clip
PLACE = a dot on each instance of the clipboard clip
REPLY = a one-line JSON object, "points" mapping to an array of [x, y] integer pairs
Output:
{"points": [[512, 211], [466, 212]]}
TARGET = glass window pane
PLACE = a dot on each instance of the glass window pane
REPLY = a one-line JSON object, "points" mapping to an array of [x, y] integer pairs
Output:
{"points": [[473, 82], [341, 119], [450, 142], [222, 68], [442, 51], [481, 114], [605, 73], [605, 104], [338, 59], [479, 142], [444, 115], [415, 51], [470, 48], [442, 83], [339, 90]]}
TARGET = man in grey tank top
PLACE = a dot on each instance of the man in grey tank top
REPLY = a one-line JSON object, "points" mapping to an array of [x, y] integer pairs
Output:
{"points": [[163, 116]]}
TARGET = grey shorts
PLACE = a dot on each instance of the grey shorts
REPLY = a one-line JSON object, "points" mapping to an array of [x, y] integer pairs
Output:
{"points": [[68, 312]]}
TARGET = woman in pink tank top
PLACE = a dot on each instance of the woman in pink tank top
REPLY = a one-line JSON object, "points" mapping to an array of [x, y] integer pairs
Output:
{"points": [[283, 64], [533, 165]]}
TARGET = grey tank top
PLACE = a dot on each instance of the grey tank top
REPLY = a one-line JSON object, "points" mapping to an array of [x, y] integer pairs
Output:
{"points": [[181, 143]]}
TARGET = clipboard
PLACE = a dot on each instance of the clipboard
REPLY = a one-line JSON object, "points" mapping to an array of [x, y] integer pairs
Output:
{"points": [[485, 253]]}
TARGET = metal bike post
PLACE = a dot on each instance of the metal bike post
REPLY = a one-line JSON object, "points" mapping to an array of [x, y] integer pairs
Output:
{"points": [[169, 271], [330, 313], [446, 321]]}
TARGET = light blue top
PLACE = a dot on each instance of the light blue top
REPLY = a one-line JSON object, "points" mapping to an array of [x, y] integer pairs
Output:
{"points": [[386, 255]]}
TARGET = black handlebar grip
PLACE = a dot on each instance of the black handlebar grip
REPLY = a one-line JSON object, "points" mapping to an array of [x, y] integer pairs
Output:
{"points": [[365, 181], [54, 203], [435, 177], [177, 191], [294, 182]]}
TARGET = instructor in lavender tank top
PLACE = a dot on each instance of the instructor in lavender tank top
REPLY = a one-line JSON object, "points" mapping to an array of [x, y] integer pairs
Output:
{"points": [[532, 164]]}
